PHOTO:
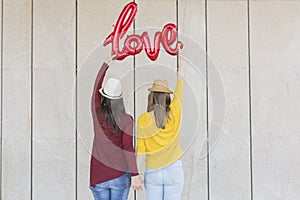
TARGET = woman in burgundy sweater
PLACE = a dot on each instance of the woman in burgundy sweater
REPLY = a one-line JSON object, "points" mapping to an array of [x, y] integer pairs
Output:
{"points": [[113, 163]]}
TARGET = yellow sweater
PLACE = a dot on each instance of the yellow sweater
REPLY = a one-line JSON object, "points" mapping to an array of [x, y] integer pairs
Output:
{"points": [[162, 146]]}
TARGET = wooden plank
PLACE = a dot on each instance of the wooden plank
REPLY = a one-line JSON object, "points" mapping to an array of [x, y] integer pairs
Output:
{"points": [[151, 17], [95, 20], [229, 159], [16, 99], [274, 36], [53, 99], [191, 24]]}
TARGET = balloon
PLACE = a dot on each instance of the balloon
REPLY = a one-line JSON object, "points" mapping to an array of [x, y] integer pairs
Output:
{"points": [[152, 53], [167, 37], [138, 44], [120, 29], [170, 30]]}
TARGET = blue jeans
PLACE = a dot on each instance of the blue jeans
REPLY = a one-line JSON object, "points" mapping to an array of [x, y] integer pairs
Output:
{"points": [[115, 189], [165, 183]]}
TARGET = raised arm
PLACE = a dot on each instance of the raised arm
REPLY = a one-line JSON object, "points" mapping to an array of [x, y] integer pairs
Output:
{"points": [[180, 72], [178, 93], [96, 98]]}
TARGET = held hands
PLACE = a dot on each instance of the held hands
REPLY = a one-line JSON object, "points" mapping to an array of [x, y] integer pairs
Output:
{"points": [[137, 183]]}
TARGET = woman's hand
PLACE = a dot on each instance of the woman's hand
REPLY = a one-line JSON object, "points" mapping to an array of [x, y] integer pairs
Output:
{"points": [[137, 183], [109, 58], [180, 67]]}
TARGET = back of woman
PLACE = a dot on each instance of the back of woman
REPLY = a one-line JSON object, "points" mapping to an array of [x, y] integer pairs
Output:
{"points": [[113, 165], [159, 138]]}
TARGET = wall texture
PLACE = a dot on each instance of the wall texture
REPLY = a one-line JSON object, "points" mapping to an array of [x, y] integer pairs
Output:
{"points": [[240, 109]]}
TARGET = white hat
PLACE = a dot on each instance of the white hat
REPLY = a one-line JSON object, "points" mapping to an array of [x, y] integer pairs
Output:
{"points": [[112, 89]]}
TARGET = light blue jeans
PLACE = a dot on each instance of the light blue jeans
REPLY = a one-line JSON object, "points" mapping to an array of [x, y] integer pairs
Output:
{"points": [[115, 189], [165, 183]]}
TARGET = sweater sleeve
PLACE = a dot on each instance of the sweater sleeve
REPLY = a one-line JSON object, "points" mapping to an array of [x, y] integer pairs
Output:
{"points": [[96, 98], [178, 95], [127, 140], [140, 147]]}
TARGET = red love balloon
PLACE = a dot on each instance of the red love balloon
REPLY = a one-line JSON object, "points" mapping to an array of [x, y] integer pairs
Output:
{"points": [[167, 37]]}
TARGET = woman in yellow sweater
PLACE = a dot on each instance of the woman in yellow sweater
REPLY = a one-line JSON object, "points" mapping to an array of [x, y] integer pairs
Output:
{"points": [[158, 136]]}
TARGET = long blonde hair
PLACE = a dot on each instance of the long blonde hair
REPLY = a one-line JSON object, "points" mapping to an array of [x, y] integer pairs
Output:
{"points": [[159, 102]]}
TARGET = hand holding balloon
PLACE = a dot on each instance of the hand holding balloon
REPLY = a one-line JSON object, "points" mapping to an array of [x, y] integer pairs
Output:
{"points": [[180, 73]]}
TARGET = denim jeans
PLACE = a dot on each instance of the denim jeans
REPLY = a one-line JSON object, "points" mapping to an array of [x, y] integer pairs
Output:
{"points": [[115, 189], [165, 183]]}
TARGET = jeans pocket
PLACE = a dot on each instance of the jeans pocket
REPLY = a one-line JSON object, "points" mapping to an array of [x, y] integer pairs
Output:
{"points": [[176, 174], [122, 182], [150, 177]]}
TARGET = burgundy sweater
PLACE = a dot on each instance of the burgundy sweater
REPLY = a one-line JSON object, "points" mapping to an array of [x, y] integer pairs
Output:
{"points": [[112, 154]]}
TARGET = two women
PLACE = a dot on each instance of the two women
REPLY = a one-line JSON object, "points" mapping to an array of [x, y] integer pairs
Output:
{"points": [[113, 156], [158, 137]]}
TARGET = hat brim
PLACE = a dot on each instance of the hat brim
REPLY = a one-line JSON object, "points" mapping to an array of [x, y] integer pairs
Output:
{"points": [[107, 96], [165, 90]]}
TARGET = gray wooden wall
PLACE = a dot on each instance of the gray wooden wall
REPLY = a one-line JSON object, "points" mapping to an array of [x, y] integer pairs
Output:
{"points": [[51, 51]]}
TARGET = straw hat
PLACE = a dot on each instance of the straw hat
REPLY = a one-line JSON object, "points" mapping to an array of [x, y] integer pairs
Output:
{"points": [[160, 86], [112, 89]]}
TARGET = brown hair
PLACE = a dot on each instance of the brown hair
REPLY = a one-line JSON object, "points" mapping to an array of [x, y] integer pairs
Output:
{"points": [[159, 102], [113, 110]]}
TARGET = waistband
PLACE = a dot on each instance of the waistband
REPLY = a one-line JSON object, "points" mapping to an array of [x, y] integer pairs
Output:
{"points": [[179, 161]]}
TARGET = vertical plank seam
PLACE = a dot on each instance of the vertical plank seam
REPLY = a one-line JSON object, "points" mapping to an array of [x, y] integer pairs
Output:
{"points": [[207, 102], [76, 92], [31, 106], [1, 98], [250, 101], [134, 109]]}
